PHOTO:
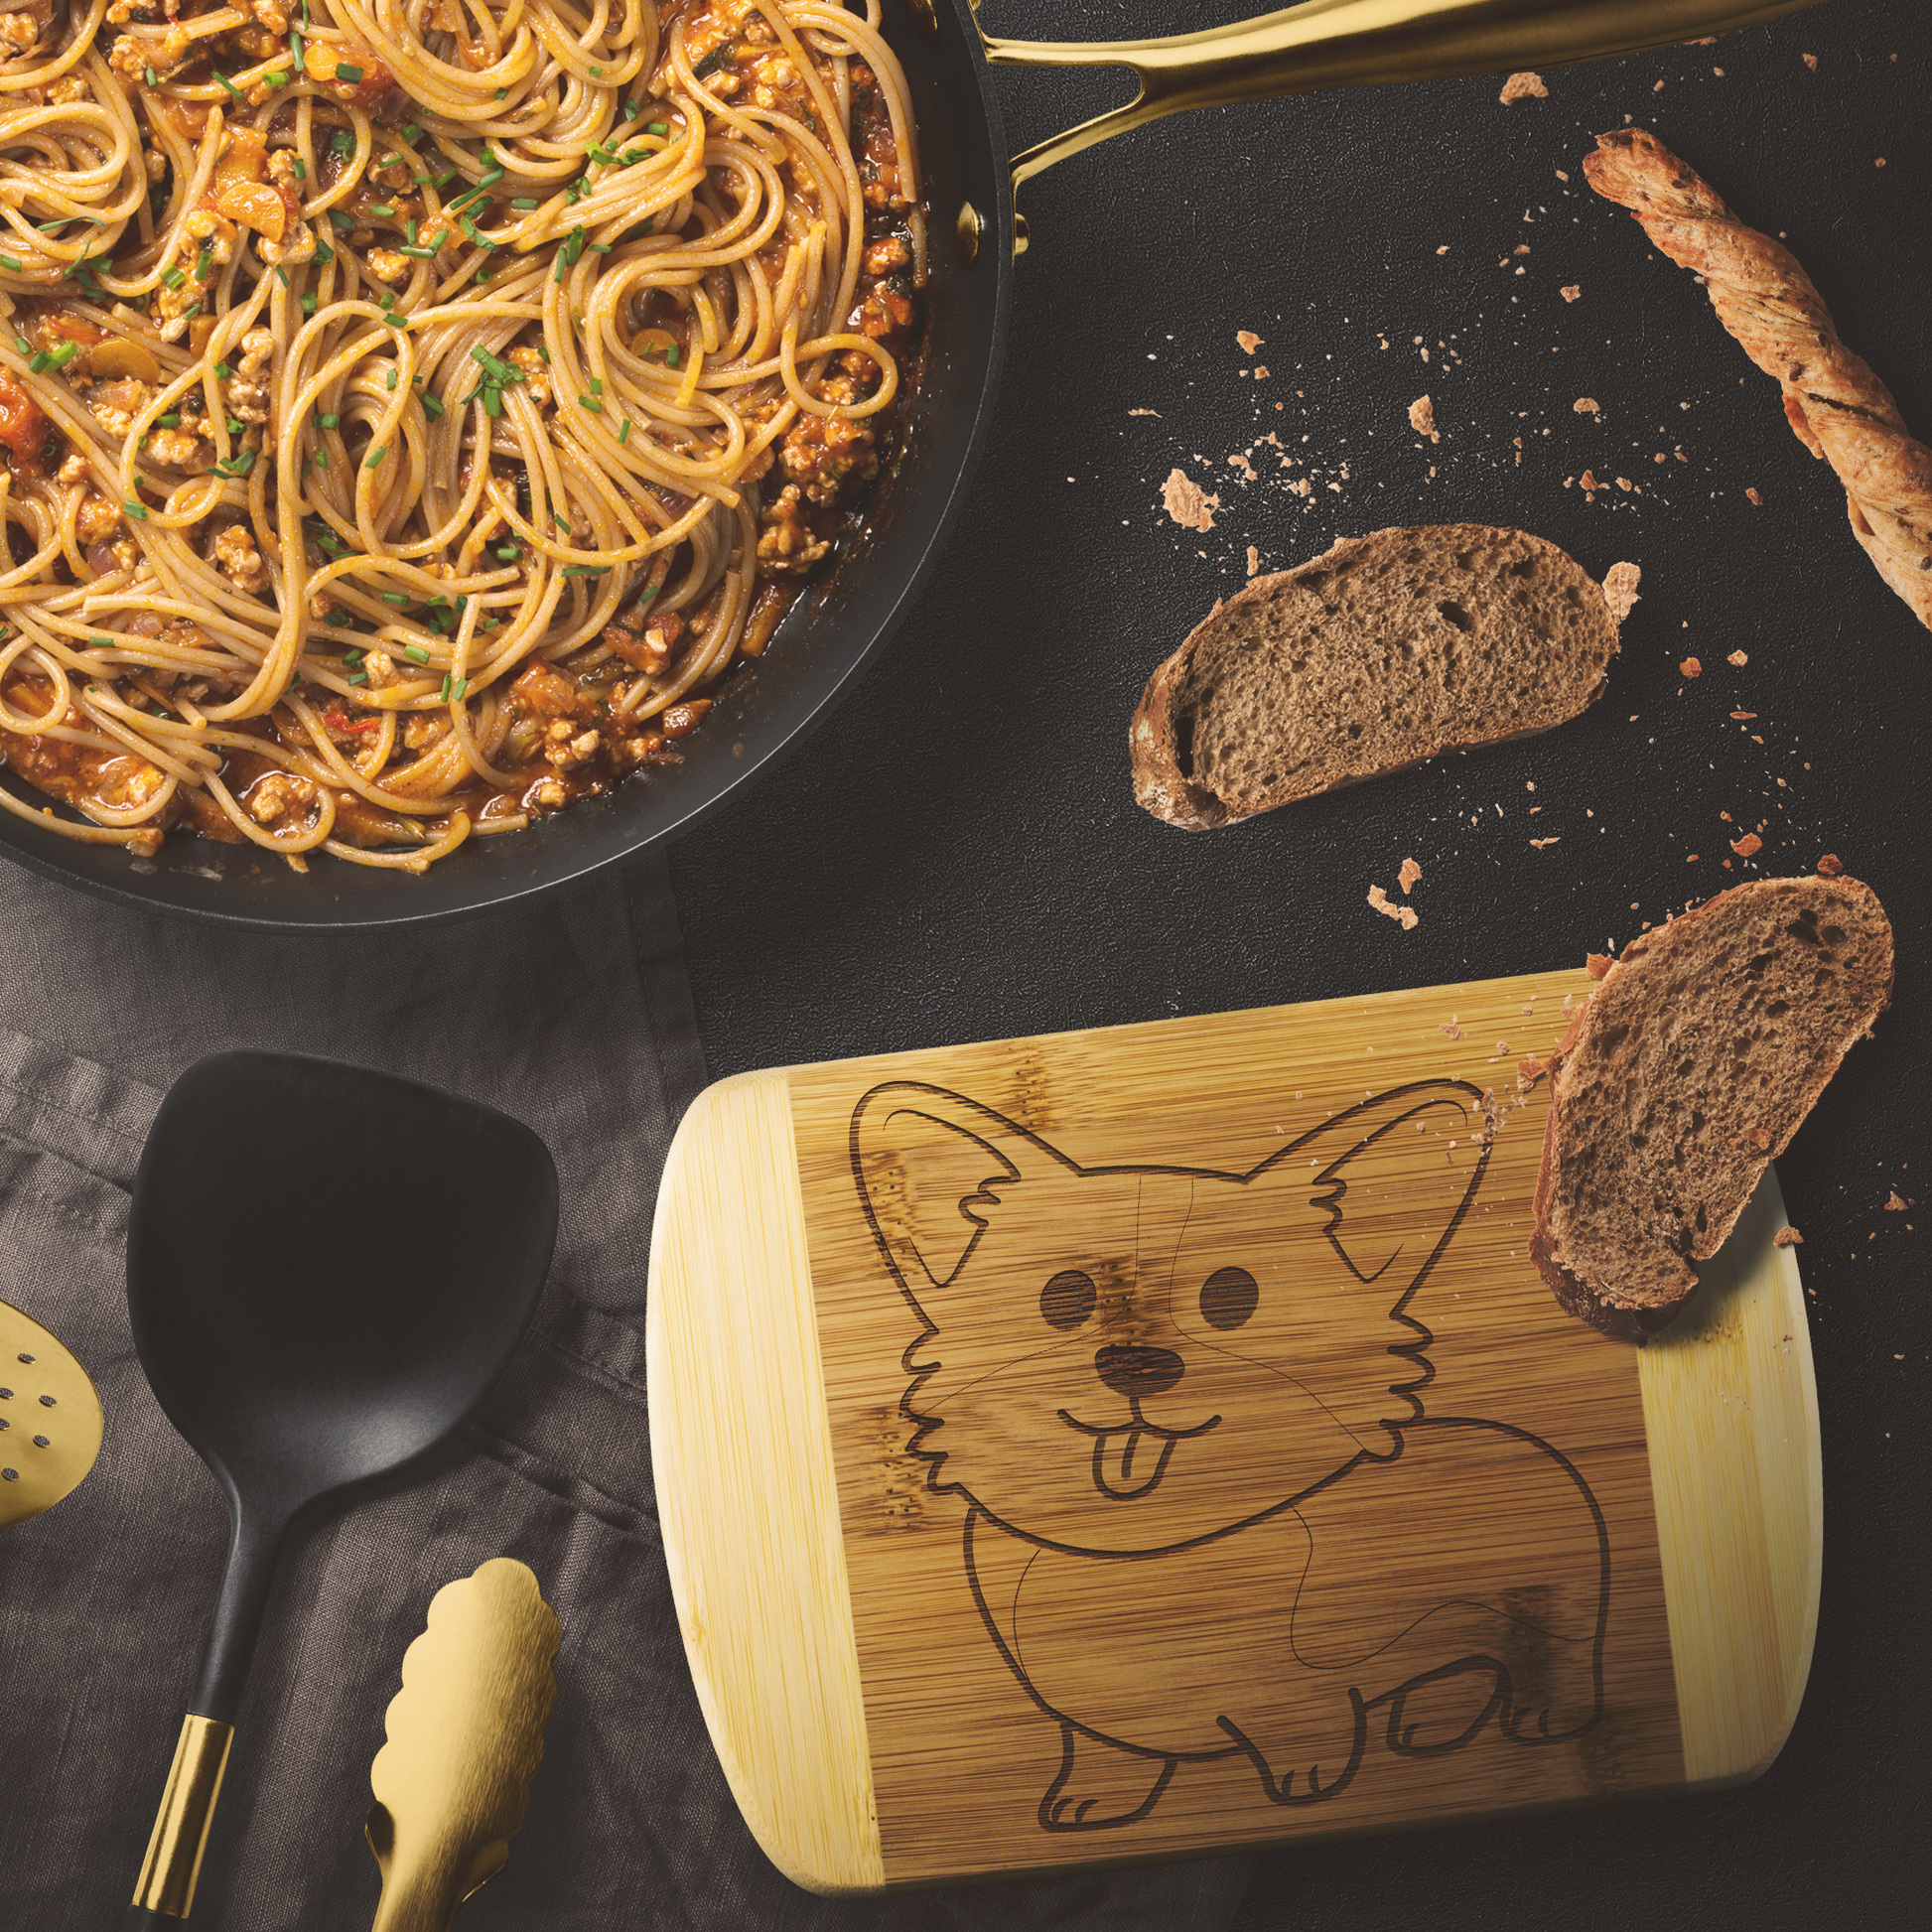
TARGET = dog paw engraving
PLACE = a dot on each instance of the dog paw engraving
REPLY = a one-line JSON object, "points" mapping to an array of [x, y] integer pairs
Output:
{"points": [[1145, 1379]]}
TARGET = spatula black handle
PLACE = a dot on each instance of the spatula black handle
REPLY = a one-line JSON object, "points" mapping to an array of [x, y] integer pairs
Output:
{"points": [[166, 1888]]}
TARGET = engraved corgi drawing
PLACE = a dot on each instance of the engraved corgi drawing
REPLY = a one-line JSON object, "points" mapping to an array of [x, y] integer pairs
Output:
{"points": [[1145, 1380]]}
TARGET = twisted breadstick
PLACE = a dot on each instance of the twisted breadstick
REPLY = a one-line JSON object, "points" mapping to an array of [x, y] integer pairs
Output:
{"points": [[1839, 409]]}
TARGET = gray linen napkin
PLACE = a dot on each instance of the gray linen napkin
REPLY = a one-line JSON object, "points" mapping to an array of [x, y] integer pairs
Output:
{"points": [[576, 1017]]}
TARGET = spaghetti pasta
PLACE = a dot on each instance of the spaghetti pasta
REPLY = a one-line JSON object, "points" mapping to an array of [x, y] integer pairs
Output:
{"points": [[410, 409]]}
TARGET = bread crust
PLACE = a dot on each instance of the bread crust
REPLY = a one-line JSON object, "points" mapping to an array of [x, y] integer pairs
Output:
{"points": [[1633, 1323], [1162, 787]]}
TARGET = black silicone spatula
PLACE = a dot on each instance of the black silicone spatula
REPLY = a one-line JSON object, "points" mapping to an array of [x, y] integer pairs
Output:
{"points": [[326, 1269]]}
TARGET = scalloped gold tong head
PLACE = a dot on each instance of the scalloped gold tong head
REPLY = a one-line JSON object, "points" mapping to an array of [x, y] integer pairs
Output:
{"points": [[50, 1419], [466, 1738]]}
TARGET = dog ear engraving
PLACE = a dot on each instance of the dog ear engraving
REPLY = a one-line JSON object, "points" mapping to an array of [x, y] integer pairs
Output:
{"points": [[934, 1169], [1393, 1178]]}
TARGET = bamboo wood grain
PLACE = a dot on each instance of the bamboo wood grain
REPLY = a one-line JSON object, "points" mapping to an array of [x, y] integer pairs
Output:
{"points": [[918, 1656]]}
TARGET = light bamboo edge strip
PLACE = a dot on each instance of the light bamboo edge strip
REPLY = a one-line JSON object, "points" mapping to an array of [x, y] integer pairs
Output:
{"points": [[1730, 1416], [742, 1453]]}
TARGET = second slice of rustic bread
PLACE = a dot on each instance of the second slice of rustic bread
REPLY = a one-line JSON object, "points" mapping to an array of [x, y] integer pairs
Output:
{"points": [[1386, 651], [1688, 1069]]}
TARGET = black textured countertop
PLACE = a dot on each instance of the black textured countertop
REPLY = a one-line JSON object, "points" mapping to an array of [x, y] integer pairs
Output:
{"points": [[957, 854]]}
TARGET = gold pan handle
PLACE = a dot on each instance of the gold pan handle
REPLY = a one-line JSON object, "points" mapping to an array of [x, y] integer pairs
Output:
{"points": [[1353, 43]]}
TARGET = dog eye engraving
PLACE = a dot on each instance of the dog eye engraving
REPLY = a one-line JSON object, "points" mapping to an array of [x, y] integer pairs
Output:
{"points": [[1138, 1370], [1228, 1298], [1069, 1298]]}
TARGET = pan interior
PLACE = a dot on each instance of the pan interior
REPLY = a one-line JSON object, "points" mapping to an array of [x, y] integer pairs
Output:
{"points": [[763, 707]]}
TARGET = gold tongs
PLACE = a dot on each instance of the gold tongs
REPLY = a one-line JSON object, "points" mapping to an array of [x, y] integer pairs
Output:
{"points": [[1352, 44]]}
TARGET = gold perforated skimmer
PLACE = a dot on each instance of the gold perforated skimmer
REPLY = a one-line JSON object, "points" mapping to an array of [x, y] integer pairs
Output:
{"points": [[50, 1419]]}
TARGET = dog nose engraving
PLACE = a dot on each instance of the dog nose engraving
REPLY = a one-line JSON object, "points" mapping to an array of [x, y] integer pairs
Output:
{"points": [[1138, 1370]]}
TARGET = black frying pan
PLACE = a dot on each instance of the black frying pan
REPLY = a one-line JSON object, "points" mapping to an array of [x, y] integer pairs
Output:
{"points": [[823, 644]]}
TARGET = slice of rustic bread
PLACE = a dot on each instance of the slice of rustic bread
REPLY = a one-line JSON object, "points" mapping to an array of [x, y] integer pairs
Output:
{"points": [[1686, 1071], [1386, 651]]}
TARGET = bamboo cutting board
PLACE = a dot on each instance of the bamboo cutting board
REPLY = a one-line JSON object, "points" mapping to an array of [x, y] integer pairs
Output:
{"points": [[1154, 1439]]}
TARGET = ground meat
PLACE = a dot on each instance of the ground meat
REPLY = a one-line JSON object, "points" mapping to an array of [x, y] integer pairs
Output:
{"points": [[242, 563], [786, 542], [387, 265], [820, 451], [116, 404], [650, 649]]}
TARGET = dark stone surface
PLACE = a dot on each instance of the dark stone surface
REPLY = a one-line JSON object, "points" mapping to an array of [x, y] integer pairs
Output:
{"points": [[957, 854]]}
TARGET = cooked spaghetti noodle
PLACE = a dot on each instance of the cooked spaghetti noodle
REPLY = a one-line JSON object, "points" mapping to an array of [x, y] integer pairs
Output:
{"points": [[409, 408]]}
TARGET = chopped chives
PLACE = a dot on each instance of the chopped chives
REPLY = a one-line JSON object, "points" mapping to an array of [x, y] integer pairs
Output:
{"points": [[432, 408], [151, 82], [658, 127], [413, 652], [223, 372], [190, 311], [623, 435], [339, 221], [587, 569], [599, 247], [375, 457], [278, 270], [63, 355], [345, 71], [597, 385], [139, 511], [461, 686], [448, 174], [397, 322], [503, 93], [526, 203], [545, 354], [420, 254], [170, 421], [411, 132], [597, 73], [324, 254], [300, 166], [630, 110], [493, 400], [381, 208], [507, 553], [409, 229], [234, 428], [101, 644], [233, 91], [320, 458], [352, 656], [328, 422], [445, 684], [343, 142], [277, 78], [670, 356], [174, 277], [39, 365], [388, 301], [397, 597], [592, 404], [307, 305], [360, 677]]}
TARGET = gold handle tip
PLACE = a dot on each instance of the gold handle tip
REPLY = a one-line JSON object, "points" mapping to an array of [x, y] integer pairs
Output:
{"points": [[180, 1828]]}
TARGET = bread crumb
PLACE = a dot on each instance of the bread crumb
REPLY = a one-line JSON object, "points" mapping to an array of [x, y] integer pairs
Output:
{"points": [[1254, 560], [1742, 716], [1811, 61], [1541, 843], [1755, 498], [1450, 1027], [1408, 876], [1523, 86], [1143, 412], [1421, 419], [1879, 162], [1749, 846], [1760, 1138], [1690, 667], [1621, 588], [1186, 502], [1893, 1205], [1248, 340], [1407, 914], [1787, 1237], [1261, 371], [1572, 292], [1444, 250], [1831, 866], [1598, 964], [1739, 659], [1585, 406]]}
